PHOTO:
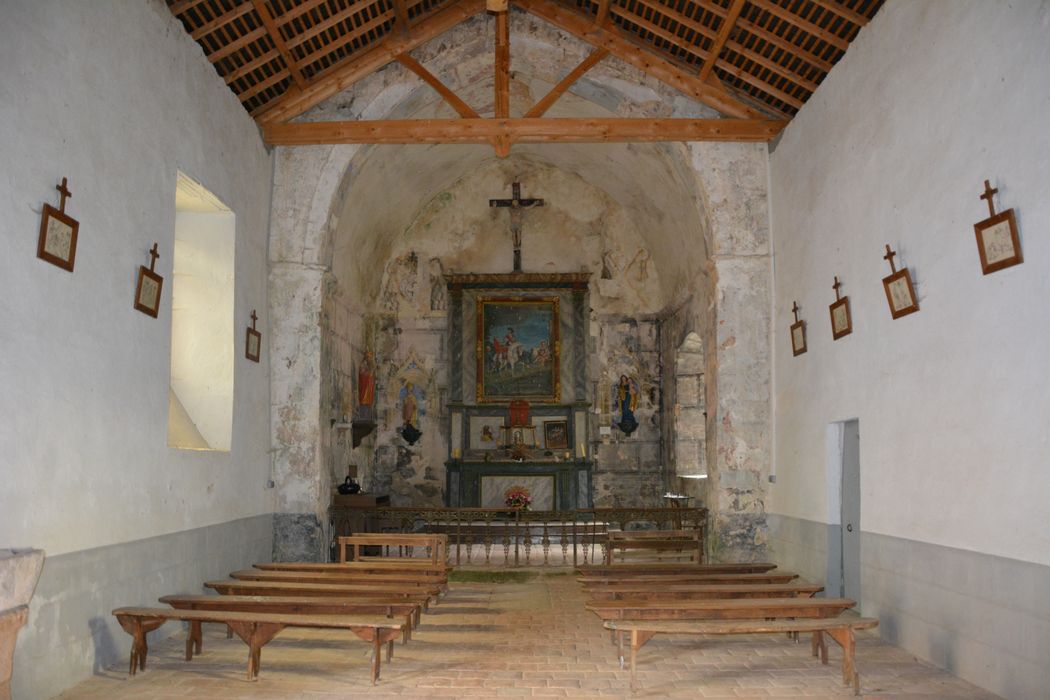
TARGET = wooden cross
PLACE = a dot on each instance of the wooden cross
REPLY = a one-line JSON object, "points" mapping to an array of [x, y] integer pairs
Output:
{"points": [[836, 287], [254, 319], [516, 204], [153, 254], [989, 191], [889, 256], [794, 310], [64, 191]]}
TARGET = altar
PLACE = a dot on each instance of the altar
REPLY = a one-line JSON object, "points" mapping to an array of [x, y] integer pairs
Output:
{"points": [[518, 339]]}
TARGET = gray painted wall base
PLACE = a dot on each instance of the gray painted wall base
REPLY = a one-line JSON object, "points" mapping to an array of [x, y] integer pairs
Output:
{"points": [[298, 537], [71, 633], [984, 618]]}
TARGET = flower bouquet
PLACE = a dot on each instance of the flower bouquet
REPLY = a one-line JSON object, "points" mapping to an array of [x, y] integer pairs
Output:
{"points": [[517, 497]]}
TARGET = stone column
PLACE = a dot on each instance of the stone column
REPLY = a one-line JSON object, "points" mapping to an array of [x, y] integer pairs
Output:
{"points": [[297, 426]]}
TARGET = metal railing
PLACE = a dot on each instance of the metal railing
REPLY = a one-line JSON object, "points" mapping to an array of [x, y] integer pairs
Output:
{"points": [[479, 536]]}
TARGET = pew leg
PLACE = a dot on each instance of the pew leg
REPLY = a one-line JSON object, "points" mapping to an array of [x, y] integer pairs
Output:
{"points": [[376, 652], [619, 646], [634, 658], [256, 635], [848, 641], [198, 641], [138, 628]]}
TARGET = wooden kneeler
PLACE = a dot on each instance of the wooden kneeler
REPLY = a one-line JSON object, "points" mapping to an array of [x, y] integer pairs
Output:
{"points": [[254, 629]]}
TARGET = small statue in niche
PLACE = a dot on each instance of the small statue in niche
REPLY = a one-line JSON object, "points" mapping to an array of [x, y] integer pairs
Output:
{"points": [[438, 291], [627, 402], [366, 386], [410, 414]]}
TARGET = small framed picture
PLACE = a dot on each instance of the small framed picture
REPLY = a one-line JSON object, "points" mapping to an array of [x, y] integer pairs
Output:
{"points": [[147, 291], [252, 343], [997, 242], [798, 338], [841, 321], [900, 293], [58, 238], [556, 434]]}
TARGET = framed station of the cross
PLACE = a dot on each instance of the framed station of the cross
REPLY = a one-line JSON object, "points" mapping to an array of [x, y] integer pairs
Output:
{"points": [[518, 349]]}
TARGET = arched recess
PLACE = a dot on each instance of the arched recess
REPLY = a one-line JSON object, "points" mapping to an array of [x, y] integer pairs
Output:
{"points": [[343, 213]]}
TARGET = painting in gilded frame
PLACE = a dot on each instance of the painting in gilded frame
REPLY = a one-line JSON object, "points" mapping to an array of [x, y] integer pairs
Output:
{"points": [[518, 350]]}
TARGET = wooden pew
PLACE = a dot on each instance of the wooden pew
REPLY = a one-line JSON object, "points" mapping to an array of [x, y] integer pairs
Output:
{"points": [[290, 605], [423, 582], [683, 579], [719, 608], [389, 566], [841, 629], [700, 591], [419, 595], [655, 568], [256, 629], [655, 546], [436, 544]]}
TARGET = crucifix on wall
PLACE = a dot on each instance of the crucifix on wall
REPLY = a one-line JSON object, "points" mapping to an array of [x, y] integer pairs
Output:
{"points": [[516, 204]]}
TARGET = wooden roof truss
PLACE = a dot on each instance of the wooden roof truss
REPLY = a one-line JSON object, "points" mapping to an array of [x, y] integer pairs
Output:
{"points": [[754, 61]]}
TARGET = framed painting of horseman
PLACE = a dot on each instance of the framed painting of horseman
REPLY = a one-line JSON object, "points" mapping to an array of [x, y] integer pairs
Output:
{"points": [[518, 349]]}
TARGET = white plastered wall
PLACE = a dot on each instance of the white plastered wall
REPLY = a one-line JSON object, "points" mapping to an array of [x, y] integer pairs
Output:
{"points": [[116, 97], [932, 99]]}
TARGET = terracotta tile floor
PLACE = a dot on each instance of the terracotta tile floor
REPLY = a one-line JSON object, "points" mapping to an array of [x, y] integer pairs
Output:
{"points": [[529, 639]]}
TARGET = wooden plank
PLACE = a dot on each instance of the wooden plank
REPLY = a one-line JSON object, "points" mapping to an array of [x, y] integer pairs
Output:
{"points": [[249, 68], [220, 21], [649, 570], [740, 626], [521, 131], [719, 608], [350, 12], [714, 96], [320, 589], [401, 15], [780, 42], [672, 14], [278, 41], [461, 107], [723, 36], [333, 81], [752, 79], [664, 34], [803, 24], [780, 70], [254, 90], [603, 12], [541, 107], [180, 7], [502, 65], [842, 11], [422, 566], [232, 47], [687, 579], [700, 590], [394, 580]]}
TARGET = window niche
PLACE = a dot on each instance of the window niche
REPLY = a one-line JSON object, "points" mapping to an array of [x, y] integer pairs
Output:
{"points": [[200, 398], [690, 415]]}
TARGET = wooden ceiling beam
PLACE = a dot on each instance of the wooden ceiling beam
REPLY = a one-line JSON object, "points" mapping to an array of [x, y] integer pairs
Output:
{"points": [[752, 79], [502, 65], [509, 131], [461, 107], [258, 87], [278, 41], [184, 5], [843, 12], [672, 14], [235, 46], [646, 61], [782, 71], [664, 34], [294, 102], [782, 43], [297, 10], [541, 107], [221, 21], [723, 36], [401, 16], [325, 25], [603, 12], [348, 38], [248, 68], [803, 24]]}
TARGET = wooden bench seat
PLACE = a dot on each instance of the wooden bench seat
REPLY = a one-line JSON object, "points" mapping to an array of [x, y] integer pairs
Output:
{"points": [[719, 608], [841, 629], [407, 566], [422, 596], [291, 605], [420, 581], [654, 568], [256, 629], [683, 579], [655, 545], [352, 547], [699, 591]]}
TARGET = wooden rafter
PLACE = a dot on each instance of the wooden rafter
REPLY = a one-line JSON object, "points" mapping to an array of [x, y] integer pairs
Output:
{"points": [[670, 13], [221, 21], [603, 12], [550, 130], [502, 65], [401, 14], [724, 31], [350, 37], [183, 6], [763, 85], [772, 65], [251, 66], [646, 61], [294, 102], [541, 107], [258, 87], [805, 25], [254, 35], [842, 11], [461, 107], [278, 41], [659, 31], [782, 43], [354, 10]]}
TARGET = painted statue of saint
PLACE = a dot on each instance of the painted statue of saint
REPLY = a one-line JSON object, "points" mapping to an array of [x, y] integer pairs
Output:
{"points": [[366, 380], [627, 401], [410, 407]]}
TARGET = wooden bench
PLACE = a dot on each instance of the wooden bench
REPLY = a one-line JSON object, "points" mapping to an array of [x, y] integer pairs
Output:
{"points": [[436, 545], [422, 582], [719, 608], [290, 605], [683, 579], [655, 545], [256, 629], [390, 566], [700, 591], [841, 629], [271, 588], [654, 568]]}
